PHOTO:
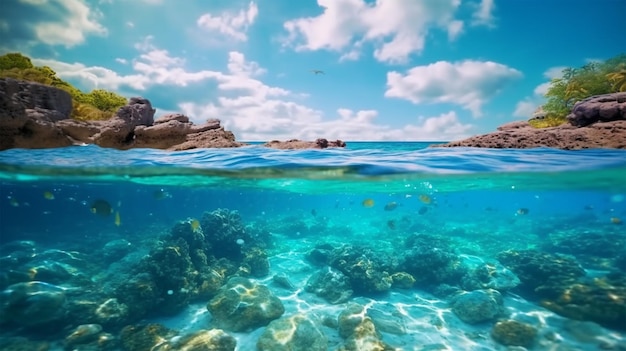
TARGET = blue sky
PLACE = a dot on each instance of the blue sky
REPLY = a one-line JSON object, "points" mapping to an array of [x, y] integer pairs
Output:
{"points": [[423, 70]]}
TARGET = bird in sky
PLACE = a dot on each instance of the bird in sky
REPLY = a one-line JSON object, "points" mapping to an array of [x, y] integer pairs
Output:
{"points": [[317, 71]]}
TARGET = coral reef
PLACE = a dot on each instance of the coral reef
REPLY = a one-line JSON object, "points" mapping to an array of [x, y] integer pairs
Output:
{"points": [[514, 333], [243, 304], [294, 333]]}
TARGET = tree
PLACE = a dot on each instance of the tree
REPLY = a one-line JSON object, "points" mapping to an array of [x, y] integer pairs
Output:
{"points": [[594, 78], [105, 100], [15, 60]]}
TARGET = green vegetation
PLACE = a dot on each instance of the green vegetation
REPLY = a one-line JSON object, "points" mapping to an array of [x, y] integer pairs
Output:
{"points": [[96, 105], [594, 78]]}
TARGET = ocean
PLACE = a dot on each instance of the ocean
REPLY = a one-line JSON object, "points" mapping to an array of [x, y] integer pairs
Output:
{"points": [[378, 246]]}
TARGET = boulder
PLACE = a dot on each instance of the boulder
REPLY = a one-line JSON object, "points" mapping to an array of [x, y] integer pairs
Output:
{"points": [[600, 108], [295, 333], [478, 306]]}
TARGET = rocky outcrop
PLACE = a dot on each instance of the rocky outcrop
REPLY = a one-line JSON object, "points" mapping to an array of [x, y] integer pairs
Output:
{"points": [[596, 122], [34, 115], [300, 144]]}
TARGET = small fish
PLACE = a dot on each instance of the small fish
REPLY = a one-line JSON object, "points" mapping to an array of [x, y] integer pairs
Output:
{"points": [[48, 195], [368, 203], [391, 206], [194, 224], [101, 207], [616, 220], [314, 212], [425, 199], [391, 224], [118, 220], [522, 211], [422, 210]]}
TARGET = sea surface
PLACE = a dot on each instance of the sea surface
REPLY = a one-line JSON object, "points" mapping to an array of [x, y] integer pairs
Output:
{"points": [[408, 232]]}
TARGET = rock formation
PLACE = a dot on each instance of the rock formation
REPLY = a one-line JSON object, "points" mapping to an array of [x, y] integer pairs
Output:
{"points": [[596, 122], [34, 115]]}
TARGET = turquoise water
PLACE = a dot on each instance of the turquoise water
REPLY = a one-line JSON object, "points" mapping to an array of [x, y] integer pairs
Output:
{"points": [[388, 204]]}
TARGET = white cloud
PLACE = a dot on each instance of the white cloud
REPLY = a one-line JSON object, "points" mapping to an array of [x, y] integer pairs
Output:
{"points": [[233, 25], [484, 13], [444, 127], [397, 29], [121, 60], [72, 28], [154, 66], [525, 108], [469, 84]]}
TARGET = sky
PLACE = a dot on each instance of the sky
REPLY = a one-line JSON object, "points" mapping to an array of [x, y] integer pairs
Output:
{"points": [[393, 70]]}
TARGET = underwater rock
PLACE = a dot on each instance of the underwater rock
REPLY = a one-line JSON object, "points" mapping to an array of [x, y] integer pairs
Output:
{"points": [[111, 312], [283, 281], [490, 276], [601, 300], [431, 266], [402, 280], [514, 333], [222, 228], [388, 319], [320, 255], [294, 333], [243, 305], [478, 306], [256, 259], [204, 340], [83, 334], [367, 270], [541, 274], [32, 304], [146, 337], [359, 330], [331, 285], [116, 249]]}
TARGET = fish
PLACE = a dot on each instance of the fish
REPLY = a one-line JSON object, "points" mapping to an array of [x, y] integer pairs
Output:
{"points": [[194, 224], [391, 206], [425, 199], [101, 207], [391, 224], [48, 195], [368, 203], [422, 210], [522, 211], [118, 220], [616, 220]]}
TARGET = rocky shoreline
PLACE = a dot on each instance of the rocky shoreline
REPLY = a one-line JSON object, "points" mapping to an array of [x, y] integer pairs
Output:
{"points": [[33, 115], [596, 122]]}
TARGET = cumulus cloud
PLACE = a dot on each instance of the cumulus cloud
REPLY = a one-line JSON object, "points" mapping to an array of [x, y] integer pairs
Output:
{"points": [[74, 22], [484, 13], [230, 24], [153, 66], [397, 29], [469, 84]]}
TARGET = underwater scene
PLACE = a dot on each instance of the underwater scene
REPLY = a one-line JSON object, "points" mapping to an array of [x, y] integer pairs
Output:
{"points": [[378, 246]]}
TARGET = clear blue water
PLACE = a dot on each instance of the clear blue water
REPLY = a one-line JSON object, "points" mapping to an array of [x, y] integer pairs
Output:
{"points": [[486, 201]]}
